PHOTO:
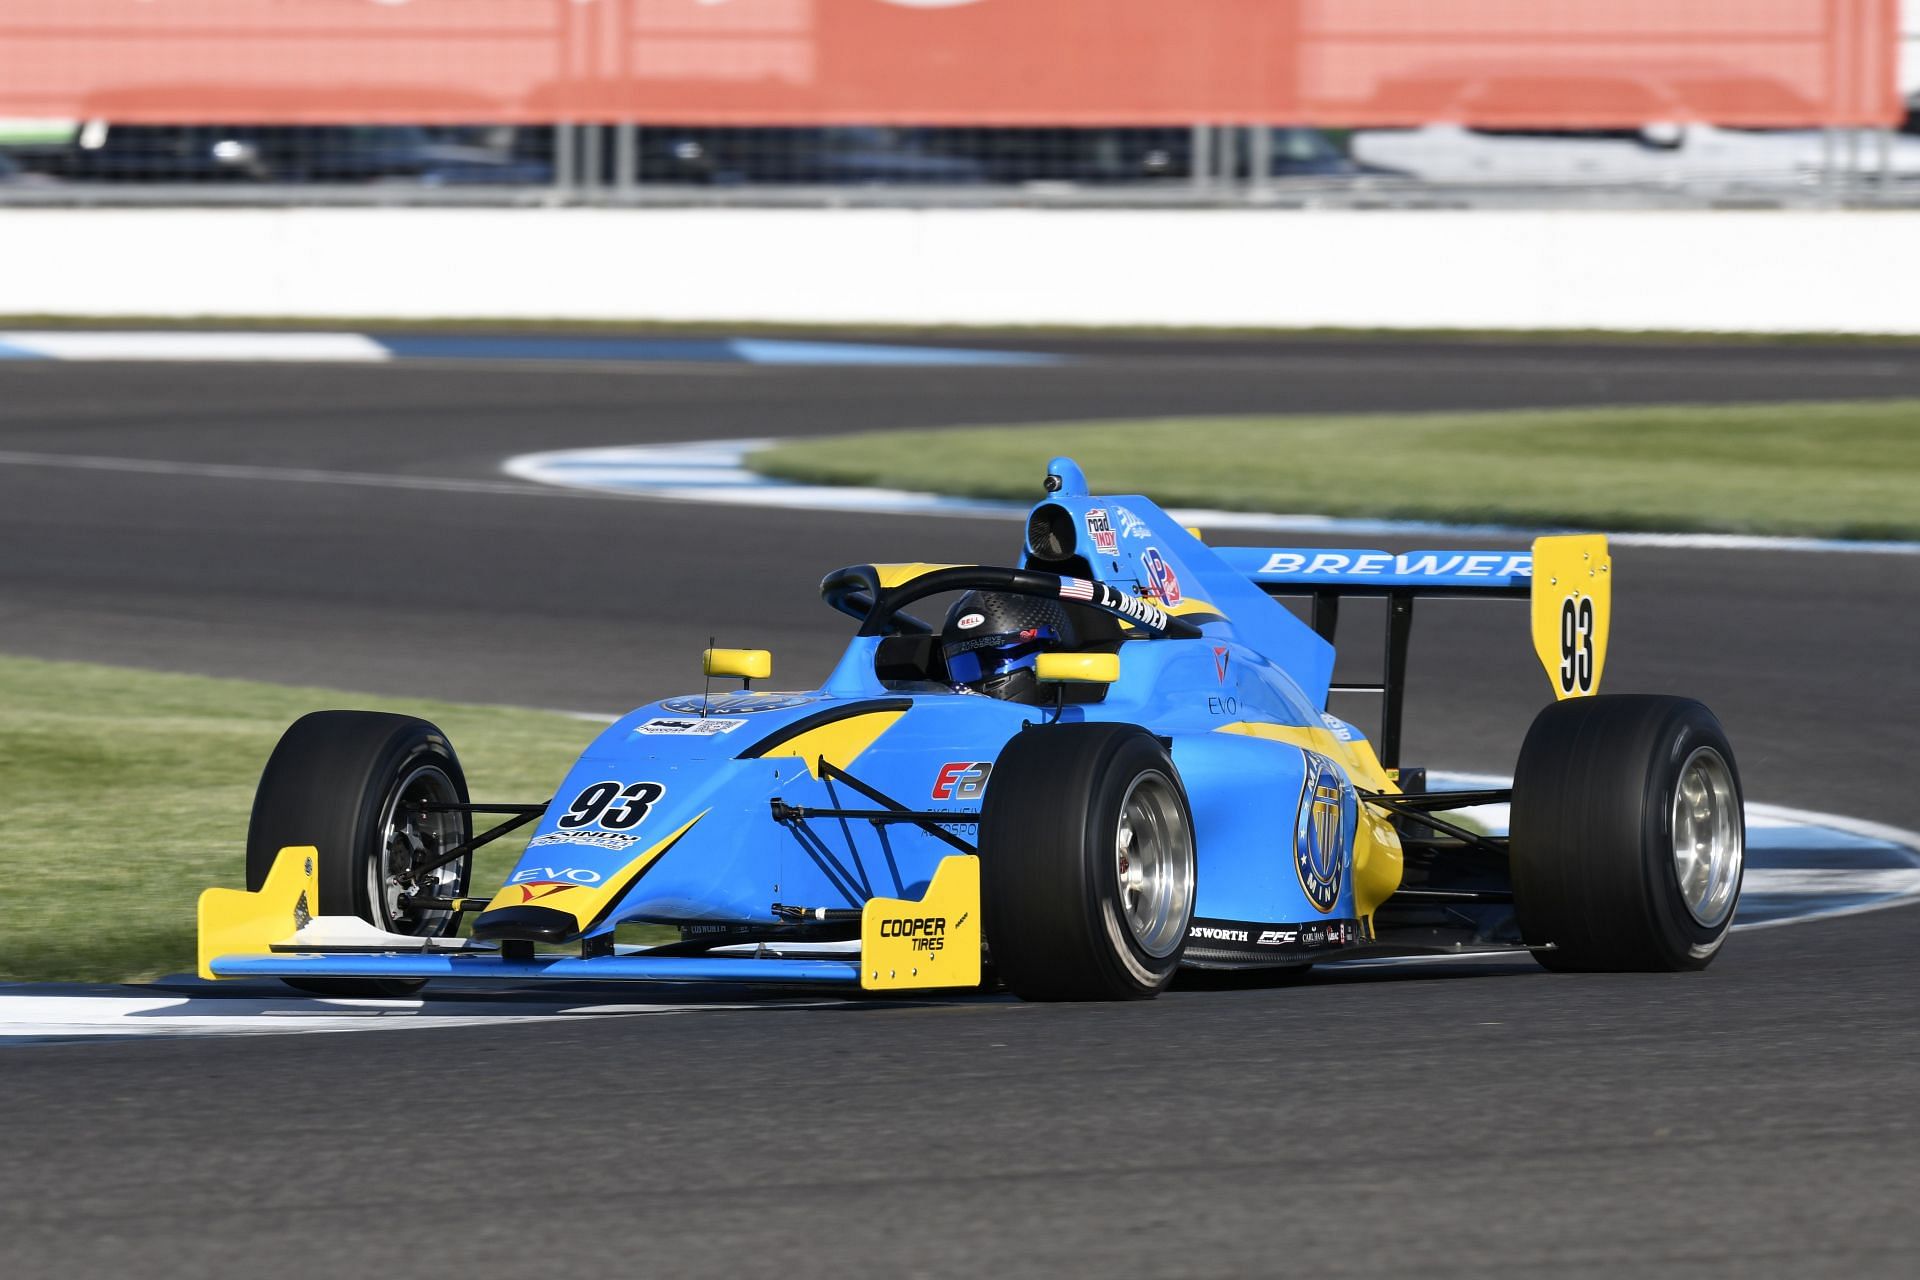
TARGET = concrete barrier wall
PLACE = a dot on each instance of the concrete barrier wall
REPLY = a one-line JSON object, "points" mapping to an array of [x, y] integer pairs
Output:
{"points": [[1749, 271]]}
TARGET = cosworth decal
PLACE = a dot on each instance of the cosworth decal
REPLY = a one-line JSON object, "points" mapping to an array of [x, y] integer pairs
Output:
{"points": [[1262, 942]]}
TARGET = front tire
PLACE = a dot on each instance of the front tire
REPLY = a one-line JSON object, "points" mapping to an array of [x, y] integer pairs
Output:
{"points": [[345, 782], [1628, 835], [1086, 863]]}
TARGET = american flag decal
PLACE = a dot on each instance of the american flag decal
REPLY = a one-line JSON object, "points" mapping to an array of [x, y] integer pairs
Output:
{"points": [[1076, 589]]}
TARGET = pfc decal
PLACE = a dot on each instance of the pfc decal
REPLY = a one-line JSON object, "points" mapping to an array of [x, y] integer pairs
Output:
{"points": [[611, 805], [1131, 525], [592, 839], [1258, 942], [962, 780], [1165, 584], [736, 704], [1323, 831], [691, 727], [1101, 531]]}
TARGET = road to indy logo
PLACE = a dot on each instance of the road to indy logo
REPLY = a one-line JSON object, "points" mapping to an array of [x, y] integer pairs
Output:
{"points": [[1323, 832]]}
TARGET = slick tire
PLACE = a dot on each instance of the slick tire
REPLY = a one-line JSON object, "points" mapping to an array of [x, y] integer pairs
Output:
{"points": [[1628, 836], [342, 781], [1086, 864]]}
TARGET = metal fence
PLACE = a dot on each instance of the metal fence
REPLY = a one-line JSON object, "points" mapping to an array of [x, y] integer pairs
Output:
{"points": [[1390, 101], [103, 162]]}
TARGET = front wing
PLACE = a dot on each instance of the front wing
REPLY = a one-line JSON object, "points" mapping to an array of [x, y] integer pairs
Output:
{"points": [[905, 945]]}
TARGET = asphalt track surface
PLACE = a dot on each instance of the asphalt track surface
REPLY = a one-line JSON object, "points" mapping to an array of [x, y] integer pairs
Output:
{"points": [[1754, 1119]]}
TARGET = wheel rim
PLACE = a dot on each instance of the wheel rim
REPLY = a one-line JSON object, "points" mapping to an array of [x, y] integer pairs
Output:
{"points": [[409, 840], [1708, 843], [1153, 864]]}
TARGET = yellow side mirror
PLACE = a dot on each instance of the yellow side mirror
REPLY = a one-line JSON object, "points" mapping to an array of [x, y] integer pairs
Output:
{"points": [[747, 664], [1078, 668]]}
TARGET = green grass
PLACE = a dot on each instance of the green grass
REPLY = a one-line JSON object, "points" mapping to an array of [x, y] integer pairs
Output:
{"points": [[1845, 470], [127, 792]]}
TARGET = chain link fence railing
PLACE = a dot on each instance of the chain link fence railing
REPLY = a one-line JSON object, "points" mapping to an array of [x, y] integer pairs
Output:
{"points": [[1663, 164]]}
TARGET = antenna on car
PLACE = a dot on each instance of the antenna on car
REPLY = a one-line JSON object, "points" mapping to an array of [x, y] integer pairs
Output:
{"points": [[706, 669]]}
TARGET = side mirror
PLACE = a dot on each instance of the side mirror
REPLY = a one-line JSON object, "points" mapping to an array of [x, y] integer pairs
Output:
{"points": [[746, 664], [1077, 668]]}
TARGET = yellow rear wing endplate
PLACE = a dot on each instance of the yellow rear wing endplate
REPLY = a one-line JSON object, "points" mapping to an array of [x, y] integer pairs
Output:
{"points": [[1572, 610]]}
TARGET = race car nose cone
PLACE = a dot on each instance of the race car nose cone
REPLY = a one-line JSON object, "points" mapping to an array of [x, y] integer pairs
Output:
{"points": [[524, 924]]}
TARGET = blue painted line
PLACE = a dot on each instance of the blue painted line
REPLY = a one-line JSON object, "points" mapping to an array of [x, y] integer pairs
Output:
{"points": [[775, 351], [428, 346], [111, 345], [691, 351]]}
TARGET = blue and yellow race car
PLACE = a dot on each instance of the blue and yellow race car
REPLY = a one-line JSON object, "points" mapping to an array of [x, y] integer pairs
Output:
{"points": [[1072, 776]]}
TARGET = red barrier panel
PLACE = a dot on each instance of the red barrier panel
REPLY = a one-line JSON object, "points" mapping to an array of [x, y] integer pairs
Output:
{"points": [[1551, 63]]}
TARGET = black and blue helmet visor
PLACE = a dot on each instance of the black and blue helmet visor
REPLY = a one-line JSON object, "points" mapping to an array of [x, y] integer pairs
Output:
{"points": [[979, 658]]}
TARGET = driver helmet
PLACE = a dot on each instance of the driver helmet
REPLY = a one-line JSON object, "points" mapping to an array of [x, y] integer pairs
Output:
{"points": [[990, 640]]}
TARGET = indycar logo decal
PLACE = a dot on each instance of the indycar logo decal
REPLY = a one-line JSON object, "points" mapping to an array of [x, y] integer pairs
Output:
{"points": [[1100, 529], [1165, 584], [962, 780], [1323, 832]]}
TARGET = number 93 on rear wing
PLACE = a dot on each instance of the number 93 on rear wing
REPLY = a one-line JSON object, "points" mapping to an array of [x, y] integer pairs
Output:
{"points": [[1567, 578]]}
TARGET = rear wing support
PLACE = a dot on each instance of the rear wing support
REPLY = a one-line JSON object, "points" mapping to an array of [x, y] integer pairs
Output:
{"points": [[1571, 602]]}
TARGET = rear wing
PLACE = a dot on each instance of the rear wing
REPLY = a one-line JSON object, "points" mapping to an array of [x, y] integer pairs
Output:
{"points": [[1567, 579]]}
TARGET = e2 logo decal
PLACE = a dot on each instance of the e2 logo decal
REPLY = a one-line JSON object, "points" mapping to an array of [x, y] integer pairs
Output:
{"points": [[596, 806]]}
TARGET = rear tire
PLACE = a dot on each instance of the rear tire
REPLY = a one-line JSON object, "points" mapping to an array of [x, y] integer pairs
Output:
{"points": [[1628, 836], [341, 781], [1086, 863]]}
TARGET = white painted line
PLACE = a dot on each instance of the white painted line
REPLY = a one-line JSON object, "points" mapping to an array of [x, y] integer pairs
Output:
{"points": [[304, 347], [47, 1014], [291, 475]]}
